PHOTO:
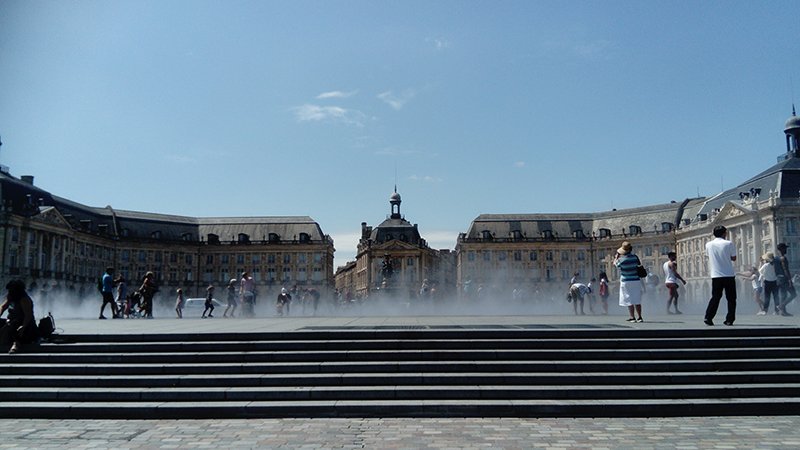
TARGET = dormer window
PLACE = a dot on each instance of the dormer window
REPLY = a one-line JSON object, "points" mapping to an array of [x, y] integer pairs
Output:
{"points": [[156, 234], [274, 238], [516, 235], [305, 238], [125, 232], [666, 227], [547, 234], [604, 232], [186, 236], [486, 235], [243, 238], [578, 234], [213, 238], [634, 230]]}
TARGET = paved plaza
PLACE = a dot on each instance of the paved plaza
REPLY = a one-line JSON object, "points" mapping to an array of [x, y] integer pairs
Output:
{"points": [[505, 433], [781, 432]]}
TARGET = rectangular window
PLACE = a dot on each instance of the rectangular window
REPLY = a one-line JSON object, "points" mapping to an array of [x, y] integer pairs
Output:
{"points": [[271, 258], [317, 258], [301, 274], [173, 257], [548, 256], [317, 275], [159, 256], [470, 255], [189, 276], [501, 256], [487, 255], [225, 259], [533, 255], [240, 259], [287, 258], [271, 274], [126, 256], [257, 258], [189, 259], [209, 259], [581, 255], [287, 274], [301, 258], [410, 262], [256, 274], [173, 274], [15, 235], [517, 255], [142, 256], [208, 276], [564, 255]]}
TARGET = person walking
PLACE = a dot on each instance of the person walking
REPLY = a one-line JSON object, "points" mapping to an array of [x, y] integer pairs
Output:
{"points": [[247, 290], [107, 291], [209, 304], [767, 277], [232, 303], [671, 278], [786, 290], [179, 304], [631, 286], [148, 291], [121, 297], [754, 277], [721, 255]]}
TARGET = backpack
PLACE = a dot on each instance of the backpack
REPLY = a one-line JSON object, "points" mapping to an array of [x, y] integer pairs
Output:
{"points": [[47, 325], [100, 284]]}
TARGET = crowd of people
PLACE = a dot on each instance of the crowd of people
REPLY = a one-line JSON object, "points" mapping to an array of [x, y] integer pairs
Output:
{"points": [[772, 285]]}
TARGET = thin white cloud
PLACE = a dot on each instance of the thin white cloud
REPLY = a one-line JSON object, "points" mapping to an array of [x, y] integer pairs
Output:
{"points": [[438, 43], [398, 101], [440, 239], [336, 94], [317, 113], [519, 164], [425, 178]]}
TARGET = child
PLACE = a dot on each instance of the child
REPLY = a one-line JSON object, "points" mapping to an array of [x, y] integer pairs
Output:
{"points": [[179, 304], [209, 302]]}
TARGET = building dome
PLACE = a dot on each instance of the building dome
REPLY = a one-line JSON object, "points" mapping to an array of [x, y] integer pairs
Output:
{"points": [[396, 197], [792, 124]]}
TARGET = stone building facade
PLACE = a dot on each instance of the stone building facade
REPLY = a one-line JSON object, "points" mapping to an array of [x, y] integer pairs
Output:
{"points": [[542, 251], [56, 244], [395, 243]]}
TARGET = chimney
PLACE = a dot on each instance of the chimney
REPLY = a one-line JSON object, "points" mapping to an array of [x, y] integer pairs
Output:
{"points": [[27, 179]]}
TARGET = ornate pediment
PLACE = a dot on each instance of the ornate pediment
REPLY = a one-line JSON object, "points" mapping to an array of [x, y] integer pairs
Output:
{"points": [[395, 245], [51, 216], [732, 210]]}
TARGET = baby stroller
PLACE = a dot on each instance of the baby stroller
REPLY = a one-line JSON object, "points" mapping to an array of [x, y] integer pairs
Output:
{"points": [[133, 306]]}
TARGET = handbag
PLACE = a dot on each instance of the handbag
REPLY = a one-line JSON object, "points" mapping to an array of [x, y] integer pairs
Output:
{"points": [[641, 272]]}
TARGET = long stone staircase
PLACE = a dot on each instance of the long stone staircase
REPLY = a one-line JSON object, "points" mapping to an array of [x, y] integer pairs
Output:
{"points": [[452, 371]]}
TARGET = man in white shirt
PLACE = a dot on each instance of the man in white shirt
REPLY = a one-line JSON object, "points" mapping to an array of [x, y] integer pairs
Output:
{"points": [[721, 255]]}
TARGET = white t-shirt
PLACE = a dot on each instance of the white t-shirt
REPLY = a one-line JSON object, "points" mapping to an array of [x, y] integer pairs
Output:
{"points": [[669, 274], [720, 252]]}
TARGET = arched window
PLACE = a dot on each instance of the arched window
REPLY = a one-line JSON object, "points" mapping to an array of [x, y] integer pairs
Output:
{"points": [[305, 237], [243, 238], [274, 238]]}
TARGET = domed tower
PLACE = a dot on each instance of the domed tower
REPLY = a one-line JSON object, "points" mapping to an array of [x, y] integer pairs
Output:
{"points": [[792, 130], [395, 201]]}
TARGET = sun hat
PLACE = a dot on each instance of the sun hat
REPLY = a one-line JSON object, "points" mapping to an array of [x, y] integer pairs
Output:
{"points": [[625, 248]]}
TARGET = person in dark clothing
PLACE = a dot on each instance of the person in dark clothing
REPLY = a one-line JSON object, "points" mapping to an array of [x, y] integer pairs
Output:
{"points": [[20, 326]]}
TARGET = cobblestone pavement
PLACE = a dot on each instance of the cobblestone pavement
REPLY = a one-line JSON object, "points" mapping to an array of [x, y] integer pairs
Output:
{"points": [[620, 433]]}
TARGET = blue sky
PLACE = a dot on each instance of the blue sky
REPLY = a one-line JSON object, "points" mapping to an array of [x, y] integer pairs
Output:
{"points": [[229, 108]]}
